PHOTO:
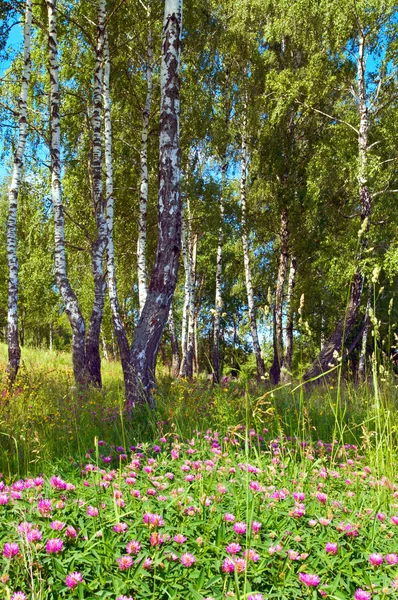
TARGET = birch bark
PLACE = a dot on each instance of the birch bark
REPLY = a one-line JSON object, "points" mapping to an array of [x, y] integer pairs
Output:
{"points": [[275, 371], [148, 332], [142, 219], [364, 338], [246, 256], [14, 350], [118, 325], [175, 349], [218, 298], [289, 319], [68, 296], [345, 324], [100, 243]]}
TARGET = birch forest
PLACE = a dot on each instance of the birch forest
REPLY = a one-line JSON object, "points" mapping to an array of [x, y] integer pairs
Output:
{"points": [[206, 191]]}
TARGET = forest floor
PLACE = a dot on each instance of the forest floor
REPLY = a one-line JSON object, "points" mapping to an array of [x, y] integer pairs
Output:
{"points": [[232, 491]]}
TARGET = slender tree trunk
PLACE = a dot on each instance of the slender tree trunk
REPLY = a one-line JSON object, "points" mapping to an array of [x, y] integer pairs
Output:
{"points": [[365, 332], [14, 350], [119, 328], [81, 373], [100, 243], [142, 220], [346, 323], [218, 299], [246, 258], [275, 371], [175, 349], [289, 319], [187, 288], [149, 330], [190, 243]]}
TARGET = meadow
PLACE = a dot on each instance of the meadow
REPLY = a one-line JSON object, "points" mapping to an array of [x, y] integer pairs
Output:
{"points": [[233, 491]]}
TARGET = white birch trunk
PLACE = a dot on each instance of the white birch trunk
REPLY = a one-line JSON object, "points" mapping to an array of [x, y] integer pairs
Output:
{"points": [[362, 357], [67, 294], [218, 298], [189, 245], [287, 363], [120, 331], [14, 350], [187, 287], [175, 350], [148, 333], [246, 258], [100, 243], [144, 176]]}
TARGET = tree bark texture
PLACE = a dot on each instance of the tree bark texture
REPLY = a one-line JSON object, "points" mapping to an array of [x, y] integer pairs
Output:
{"points": [[175, 349], [68, 296], [149, 330], [364, 338], [246, 258], [347, 321], [144, 177], [189, 245], [14, 350], [218, 298], [290, 318], [277, 363], [100, 243], [121, 336]]}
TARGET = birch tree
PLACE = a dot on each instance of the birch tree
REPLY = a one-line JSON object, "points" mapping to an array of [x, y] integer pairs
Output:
{"points": [[246, 253], [144, 178], [148, 332], [14, 350], [69, 298]]}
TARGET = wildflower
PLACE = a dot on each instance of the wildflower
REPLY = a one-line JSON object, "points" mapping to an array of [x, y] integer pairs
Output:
{"points": [[394, 520], [251, 554], [391, 559], [376, 559], [256, 526], [293, 555], [233, 548], [255, 597], [10, 550], [125, 562], [321, 497], [71, 532], [240, 528], [362, 595], [229, 517], [309, 579], [92, 511], [34, 535], [57, 525], [228, 566], [124, 598], [331, 548], [73, 579], [187, 560], [45, 507], [147, 563], [240, 565], [18, 596], [153, 520], [155, 539], [54, 545], [120, 527], [179, 538], [133, 547]]}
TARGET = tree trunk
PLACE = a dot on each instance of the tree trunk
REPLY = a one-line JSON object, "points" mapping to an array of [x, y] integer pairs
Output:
{"points": [[275, 371], [246, 259], [119, 328], [175, 349], [286, 373], [100, 243], [81, 373], [190, 242], [218, 299], [345, 324], [366, 324], [14, 350], [187, 288], [142, 219], [149, 330]]}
